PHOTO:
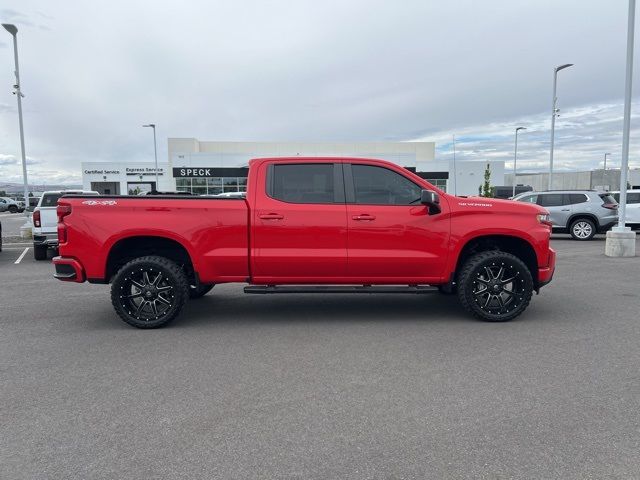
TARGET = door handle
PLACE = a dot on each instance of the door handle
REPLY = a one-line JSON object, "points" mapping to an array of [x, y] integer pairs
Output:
{"points": [[271, 216], [565, 210], [364, 217]]}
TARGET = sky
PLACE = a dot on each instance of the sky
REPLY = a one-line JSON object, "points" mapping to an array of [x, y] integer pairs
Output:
{"points": [[93, 72]]}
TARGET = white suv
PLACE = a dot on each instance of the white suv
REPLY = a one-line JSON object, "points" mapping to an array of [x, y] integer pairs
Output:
{"points": [[45, 221], [633, 207]]}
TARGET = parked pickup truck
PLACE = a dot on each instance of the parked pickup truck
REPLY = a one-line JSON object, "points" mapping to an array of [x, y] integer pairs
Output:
{"points": [[307, 225], [45, 224]]}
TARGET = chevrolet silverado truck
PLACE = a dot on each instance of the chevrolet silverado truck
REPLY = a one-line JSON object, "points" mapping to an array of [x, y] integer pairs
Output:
{"points": [[307, 225]]}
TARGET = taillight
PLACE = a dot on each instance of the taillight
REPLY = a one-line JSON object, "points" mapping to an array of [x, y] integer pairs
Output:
{"points": [[610, 206], [36, 219], [62, 211]]}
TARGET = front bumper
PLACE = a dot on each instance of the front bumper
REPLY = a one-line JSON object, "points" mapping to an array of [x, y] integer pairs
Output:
{"points": [[545, 274], [68, 270], [50, 239]]}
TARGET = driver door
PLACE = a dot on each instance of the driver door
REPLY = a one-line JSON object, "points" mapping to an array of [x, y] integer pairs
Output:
{"points": [[391, 236]]}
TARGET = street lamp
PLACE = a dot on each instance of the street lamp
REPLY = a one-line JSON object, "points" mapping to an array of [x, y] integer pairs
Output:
{"points": [[515, 160], [13, 30], [155, 149], [604, 171], [621, 241], [554, 111]]}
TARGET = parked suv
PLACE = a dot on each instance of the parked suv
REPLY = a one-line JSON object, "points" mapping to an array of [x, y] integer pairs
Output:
{"points": [[633, 207], [582, 213], [45, 221], [10, 205]]}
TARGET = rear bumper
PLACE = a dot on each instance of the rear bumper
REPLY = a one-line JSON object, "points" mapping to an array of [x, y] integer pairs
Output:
{"points": [[545, 274], [607, 225], [68, 270], [49, 239]]}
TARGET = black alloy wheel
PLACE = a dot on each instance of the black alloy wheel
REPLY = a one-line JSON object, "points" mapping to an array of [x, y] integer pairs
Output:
{"points": [[149, 292], [495, 286]]}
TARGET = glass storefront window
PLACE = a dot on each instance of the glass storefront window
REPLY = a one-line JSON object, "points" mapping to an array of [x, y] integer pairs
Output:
{"points": [[212, 185]]}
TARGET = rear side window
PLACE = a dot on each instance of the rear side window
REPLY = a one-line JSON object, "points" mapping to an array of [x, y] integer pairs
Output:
{"points": [[606, 198], [529, 199], [550, 199], [308, 183], [381, 186], [577, 198], [633, 197], [50, 199]]}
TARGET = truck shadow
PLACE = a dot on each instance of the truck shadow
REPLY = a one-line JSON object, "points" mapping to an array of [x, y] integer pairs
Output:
{"points": [[223, 307]]}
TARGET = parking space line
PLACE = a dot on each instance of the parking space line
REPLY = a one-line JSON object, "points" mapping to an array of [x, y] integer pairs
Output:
{"points": [[21, 256]]}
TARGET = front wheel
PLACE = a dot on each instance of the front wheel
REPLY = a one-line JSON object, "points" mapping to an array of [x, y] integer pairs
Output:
{"points": [[13, 209], [199, 291], [149, 292], [495, 286], [583, 229]]}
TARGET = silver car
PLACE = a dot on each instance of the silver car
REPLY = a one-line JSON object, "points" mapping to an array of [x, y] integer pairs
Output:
{"points": [[582, 213]]}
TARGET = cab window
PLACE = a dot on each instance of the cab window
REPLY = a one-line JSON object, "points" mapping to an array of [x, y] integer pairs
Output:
{"points": [[380, 186]]}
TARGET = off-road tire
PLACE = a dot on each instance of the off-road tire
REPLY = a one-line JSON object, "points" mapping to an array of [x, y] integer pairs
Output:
{"points": [[489, 269], [170, 293], [582, 229], [199, 291], [40, 252]]}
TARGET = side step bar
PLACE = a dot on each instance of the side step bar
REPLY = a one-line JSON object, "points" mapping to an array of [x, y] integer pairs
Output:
{"points": [[264, 289]]}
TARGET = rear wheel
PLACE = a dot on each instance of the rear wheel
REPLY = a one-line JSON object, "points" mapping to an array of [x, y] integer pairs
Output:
{"points": [[40, 252], [583, 229], [149, 292], [199, 291], [495, 286]]}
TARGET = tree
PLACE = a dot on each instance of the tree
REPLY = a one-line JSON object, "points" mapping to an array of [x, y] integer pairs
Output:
{"points": [[486, 190]]}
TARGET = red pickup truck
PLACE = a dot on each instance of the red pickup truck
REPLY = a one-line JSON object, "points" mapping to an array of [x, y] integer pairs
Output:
{"points": [[307, 225]]}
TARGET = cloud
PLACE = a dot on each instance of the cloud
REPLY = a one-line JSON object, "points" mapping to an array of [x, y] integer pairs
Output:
{"points": [[363, 70], [583, 135]]}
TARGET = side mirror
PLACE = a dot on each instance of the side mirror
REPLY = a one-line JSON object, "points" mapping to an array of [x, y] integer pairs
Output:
{"points": [[431, 200]]}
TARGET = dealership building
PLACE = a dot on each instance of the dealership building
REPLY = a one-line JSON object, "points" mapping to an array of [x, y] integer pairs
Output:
{"points": [[203, 167]]}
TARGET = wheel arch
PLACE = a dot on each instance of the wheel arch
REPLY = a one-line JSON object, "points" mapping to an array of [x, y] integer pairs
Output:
{"points": [[130, 247], [577, 216], [515, 245]]}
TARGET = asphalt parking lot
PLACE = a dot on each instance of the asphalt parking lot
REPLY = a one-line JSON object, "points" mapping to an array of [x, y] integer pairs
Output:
{"points": [[311, 386]]}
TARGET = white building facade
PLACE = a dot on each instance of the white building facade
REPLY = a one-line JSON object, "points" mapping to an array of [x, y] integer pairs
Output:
{"points": [[211, 168]]}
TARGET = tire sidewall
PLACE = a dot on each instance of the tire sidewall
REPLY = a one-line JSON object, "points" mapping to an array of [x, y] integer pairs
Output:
{"points": [[587, 220], [477, 263], [170, 271]]}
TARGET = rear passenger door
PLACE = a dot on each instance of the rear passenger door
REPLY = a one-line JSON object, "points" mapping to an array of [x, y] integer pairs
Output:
{"points": [[558, 206], [299, 224]]}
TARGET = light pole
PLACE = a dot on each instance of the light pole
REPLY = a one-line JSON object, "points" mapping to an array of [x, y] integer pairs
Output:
{"points": [[155, 149], [515, 160], [621, 241], [604, 171], [554, 111], [13, 30]]}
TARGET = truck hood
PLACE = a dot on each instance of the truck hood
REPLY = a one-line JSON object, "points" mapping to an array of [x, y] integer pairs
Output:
{"points": [[493, 205]]}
